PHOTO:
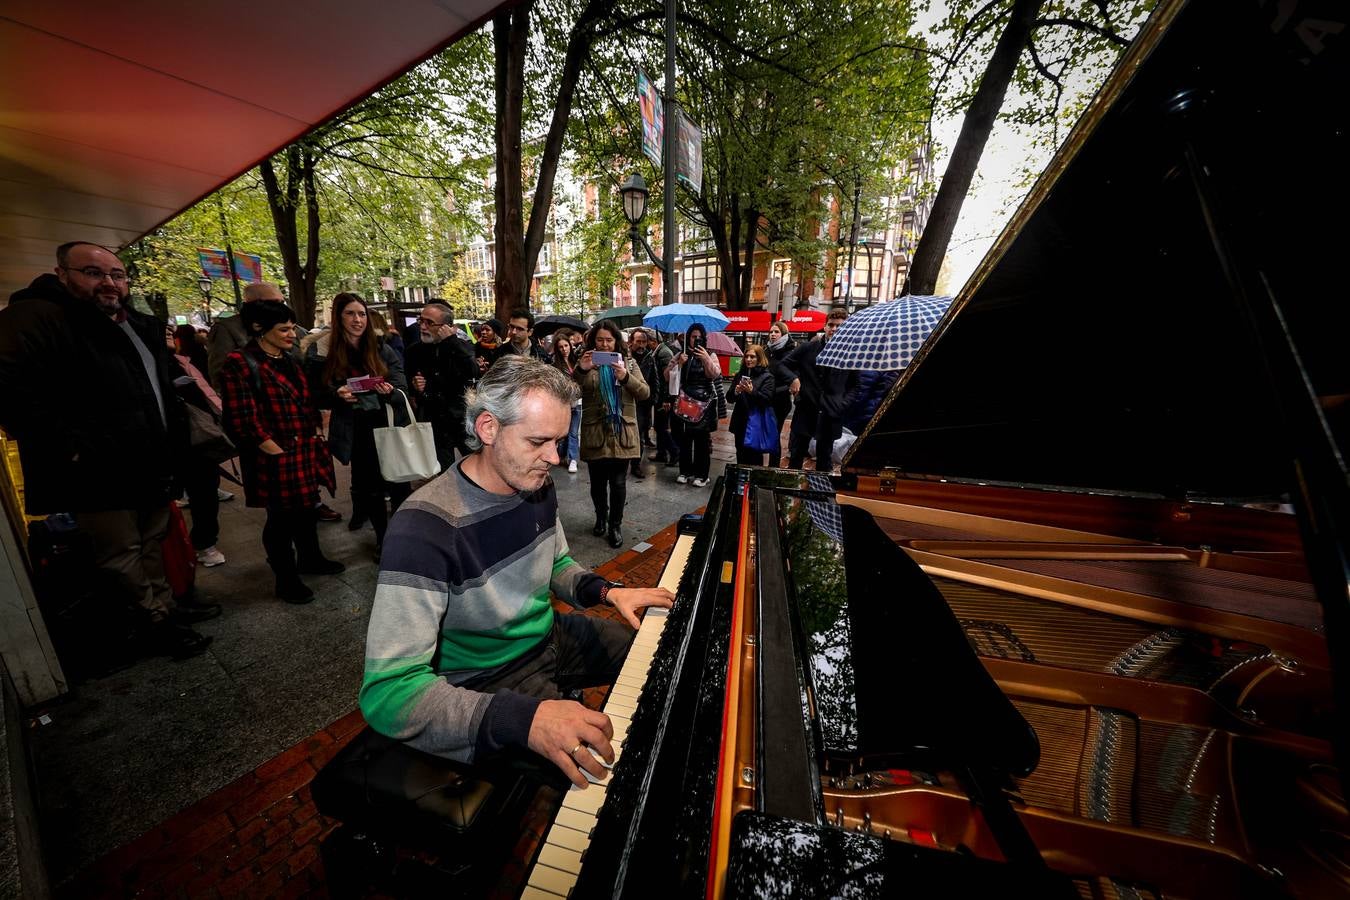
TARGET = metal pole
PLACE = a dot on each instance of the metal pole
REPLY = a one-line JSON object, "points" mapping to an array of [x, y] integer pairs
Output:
{"points": [[853, 242], [229, 252], [669, 238]]}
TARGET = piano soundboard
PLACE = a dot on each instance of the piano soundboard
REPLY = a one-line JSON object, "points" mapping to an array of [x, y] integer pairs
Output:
{"points": [[555, 872]]}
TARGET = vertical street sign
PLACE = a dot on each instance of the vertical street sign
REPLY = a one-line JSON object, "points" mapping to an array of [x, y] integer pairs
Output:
{"points": [[688, 152], [653, 117]]}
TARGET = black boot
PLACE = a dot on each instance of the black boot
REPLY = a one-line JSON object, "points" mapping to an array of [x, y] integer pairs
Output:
{"points": [[289, 586], [173, 639], [293, 590], [601, 522], [635, 469], [309, 555], [358, 518], [615, 536]]}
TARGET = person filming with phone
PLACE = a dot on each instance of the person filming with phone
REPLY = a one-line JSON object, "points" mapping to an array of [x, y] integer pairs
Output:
{"points": [[698, 405], [611, 387], [754, 393]]}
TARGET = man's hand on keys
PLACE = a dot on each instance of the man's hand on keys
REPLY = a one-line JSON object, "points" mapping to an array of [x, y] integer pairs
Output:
{"points": [[562, 731], [629, 600]]}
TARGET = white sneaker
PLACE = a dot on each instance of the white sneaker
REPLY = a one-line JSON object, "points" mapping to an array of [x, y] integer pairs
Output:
{"points": [[700, 482], [210, 557], [682, 479], [572, 466], [223, 495]]}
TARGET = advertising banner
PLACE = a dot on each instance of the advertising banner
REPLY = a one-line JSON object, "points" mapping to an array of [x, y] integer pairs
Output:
{"points": [[653, 117], [688, 152], [214, 265], [748, 320]]}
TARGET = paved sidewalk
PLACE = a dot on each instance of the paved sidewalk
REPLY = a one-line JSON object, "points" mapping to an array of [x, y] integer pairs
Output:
{"points": [[125, 753]]}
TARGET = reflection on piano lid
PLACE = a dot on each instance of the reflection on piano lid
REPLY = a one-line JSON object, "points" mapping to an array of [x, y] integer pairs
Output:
{"points": [[1119, 336]]}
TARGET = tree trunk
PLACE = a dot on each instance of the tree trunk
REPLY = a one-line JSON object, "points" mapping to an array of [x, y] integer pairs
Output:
{"points": [[510, 34], [284, 202], [969, 147], [747, 273], [578, 49]]}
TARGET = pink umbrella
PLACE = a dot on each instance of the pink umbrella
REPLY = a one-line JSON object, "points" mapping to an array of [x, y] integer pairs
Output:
{"points": [[721, 344]]}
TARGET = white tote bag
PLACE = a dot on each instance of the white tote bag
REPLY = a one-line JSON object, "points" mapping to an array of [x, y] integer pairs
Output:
{"points": [[407, 453]]}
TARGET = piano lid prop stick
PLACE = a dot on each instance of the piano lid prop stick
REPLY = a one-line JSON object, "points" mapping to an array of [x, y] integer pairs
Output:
{"points": [[721, 835]]}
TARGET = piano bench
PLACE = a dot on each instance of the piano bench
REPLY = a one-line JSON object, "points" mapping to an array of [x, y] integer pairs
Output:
{"points": [[395, 802]]}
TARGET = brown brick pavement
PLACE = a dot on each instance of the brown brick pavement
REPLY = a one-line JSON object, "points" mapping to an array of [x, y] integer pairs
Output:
{"points": [[259, 836]]}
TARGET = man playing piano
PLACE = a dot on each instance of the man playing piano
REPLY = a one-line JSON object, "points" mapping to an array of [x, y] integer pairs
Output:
{"points": [[464, 655]]}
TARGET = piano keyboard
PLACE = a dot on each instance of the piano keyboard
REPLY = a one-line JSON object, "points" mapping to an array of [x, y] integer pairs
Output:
{"points": [[555, 872]]}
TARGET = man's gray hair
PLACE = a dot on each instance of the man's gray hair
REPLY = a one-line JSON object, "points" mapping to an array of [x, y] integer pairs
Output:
{"points": [[503, 389]]}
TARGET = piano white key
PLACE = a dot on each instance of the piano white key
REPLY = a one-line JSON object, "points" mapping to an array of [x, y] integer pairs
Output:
{"points": [[575, 819], [568, 837], [554, 881], [587, 801], [560, 858], [533, 893]]}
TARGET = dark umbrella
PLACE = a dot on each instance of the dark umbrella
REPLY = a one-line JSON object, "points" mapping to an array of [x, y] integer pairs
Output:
{"points": [[549, 324], [623, 316]]}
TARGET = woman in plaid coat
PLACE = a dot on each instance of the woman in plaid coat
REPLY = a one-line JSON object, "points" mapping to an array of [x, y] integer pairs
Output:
{"points": [[269, 412]]}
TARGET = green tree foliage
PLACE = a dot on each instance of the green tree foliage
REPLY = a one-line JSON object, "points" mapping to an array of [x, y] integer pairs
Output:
{"points": [[1054, 52], [795, 100], [363, 196]]}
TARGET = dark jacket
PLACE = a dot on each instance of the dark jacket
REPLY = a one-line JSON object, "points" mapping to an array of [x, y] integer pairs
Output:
{"points": [[825, 389], [696, 383], [275, 404], [74, 393], [449, 368], [760, 397], [781, 381], [342, 421], [872, 389]]}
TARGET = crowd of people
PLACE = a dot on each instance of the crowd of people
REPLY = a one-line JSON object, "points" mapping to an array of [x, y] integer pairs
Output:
{"points": [[135, 392]]}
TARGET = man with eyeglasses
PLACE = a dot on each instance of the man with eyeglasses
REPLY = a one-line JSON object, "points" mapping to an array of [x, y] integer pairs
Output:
{"points": [[86, 391], [520, 335], [442, 368]]}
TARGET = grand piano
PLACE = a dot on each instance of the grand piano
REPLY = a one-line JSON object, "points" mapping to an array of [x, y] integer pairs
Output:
{"points": [[1073, 619]]}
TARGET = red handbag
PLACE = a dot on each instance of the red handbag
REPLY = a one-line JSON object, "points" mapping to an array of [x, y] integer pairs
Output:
{"points": [[689, 409], [180, 559]]}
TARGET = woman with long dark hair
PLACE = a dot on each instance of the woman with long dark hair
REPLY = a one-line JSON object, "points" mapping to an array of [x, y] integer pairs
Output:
{"points": [[566, 344], [609, 433], [269, 412], [779, 346], [700, 382], [350, 350]]}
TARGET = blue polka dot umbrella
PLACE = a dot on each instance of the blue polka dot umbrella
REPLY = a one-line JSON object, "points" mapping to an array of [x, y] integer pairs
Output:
{"points": [[884, 337]]}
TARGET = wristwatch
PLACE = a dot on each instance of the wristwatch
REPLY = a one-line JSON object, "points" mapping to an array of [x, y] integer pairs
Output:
{"points": [[608, 586]]}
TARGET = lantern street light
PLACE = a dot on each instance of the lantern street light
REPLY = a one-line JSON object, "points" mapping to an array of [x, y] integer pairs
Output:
{"points": [[634, 194], [204, 284]]}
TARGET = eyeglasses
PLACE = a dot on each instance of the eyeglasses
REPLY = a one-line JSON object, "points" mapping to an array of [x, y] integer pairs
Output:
{"points": [[517, 328], [97, 274], [423, 320]]}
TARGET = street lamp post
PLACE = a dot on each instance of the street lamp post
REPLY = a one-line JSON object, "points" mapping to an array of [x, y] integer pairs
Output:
{"points": [[204, 284], [634, 195]]}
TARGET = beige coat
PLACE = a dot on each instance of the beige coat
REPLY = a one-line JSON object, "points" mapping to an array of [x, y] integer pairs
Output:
{"points": [[597, 440]]}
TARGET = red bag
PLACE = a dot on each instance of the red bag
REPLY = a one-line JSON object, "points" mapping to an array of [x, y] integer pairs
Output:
{"points": [[180, 560]]}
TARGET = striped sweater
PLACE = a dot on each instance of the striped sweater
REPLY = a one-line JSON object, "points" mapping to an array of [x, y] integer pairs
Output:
{"points": [[463, 589]]}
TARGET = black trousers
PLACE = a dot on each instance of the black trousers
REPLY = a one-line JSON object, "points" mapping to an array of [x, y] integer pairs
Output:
{"points": [[289, 534], [449, 435], [667, 445], [201, 480], [695, 451], [609, 488], [644, 419], [827, 430], [369, 487], [747, 457]]}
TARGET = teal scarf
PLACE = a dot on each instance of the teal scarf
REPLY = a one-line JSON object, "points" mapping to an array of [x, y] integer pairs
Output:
{"points": [[609, 390]]}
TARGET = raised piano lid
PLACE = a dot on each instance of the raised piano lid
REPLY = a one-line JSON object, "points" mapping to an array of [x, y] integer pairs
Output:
{"points": [[1099, 346]]}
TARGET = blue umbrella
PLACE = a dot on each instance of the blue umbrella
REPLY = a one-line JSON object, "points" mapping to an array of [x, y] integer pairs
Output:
{"points": [[679, 316], [884, 337]]}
